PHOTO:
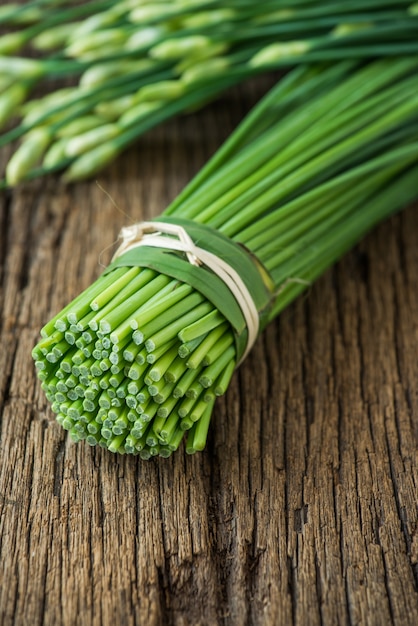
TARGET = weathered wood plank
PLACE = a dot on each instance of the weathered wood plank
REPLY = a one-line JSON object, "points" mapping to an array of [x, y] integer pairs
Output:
{"points": [[303, 508]]}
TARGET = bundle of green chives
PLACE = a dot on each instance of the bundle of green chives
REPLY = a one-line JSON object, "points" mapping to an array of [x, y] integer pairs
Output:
{"points": [[136, 63], [138, 359]]}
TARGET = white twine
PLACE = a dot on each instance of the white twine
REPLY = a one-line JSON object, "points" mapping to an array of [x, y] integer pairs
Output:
{"points": [[154, 234]]}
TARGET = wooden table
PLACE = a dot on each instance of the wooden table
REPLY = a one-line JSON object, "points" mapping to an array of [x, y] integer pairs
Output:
{"points": [[303, 507]]}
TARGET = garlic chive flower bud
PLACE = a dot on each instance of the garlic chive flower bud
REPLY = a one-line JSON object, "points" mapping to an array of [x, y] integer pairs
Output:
{"points": [[80, 125], [109, 38], [97, 22], [11, 98], [200, 72], [113, 109], [164, 90], [21, 68], [343, 29], [91, 162], [96, 136], [152, 12], [55, 154], [53, 37], [36, 110], [178, 48], [27, 155], [138, 112], [99, 73], [212, 51], [14, 13], [208, 18], [145, 37], [278, 51], [12, 42]]}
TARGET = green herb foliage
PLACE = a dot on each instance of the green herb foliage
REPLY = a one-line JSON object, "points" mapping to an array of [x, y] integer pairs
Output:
{"points": [[138, 359]]}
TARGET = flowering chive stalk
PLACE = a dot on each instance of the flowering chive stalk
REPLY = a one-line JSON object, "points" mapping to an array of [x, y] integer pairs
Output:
{"points": [[135, 64], [135, 363]]}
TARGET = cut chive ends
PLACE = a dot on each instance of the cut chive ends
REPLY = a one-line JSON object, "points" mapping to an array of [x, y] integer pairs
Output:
{"points": [[140, 410], [114, 363]]}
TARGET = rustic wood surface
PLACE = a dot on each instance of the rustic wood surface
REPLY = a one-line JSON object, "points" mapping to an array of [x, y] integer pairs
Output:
{"points": [[303, 508]]}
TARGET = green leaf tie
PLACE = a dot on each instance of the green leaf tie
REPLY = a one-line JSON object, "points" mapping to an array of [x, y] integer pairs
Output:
{"points": [[225, 272]]}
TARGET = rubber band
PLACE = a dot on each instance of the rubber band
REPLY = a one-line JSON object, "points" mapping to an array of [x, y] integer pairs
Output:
{"points": [[171, 236]]}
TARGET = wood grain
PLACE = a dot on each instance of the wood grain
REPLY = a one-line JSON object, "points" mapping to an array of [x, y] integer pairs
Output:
{"points": [[303, 508]]}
